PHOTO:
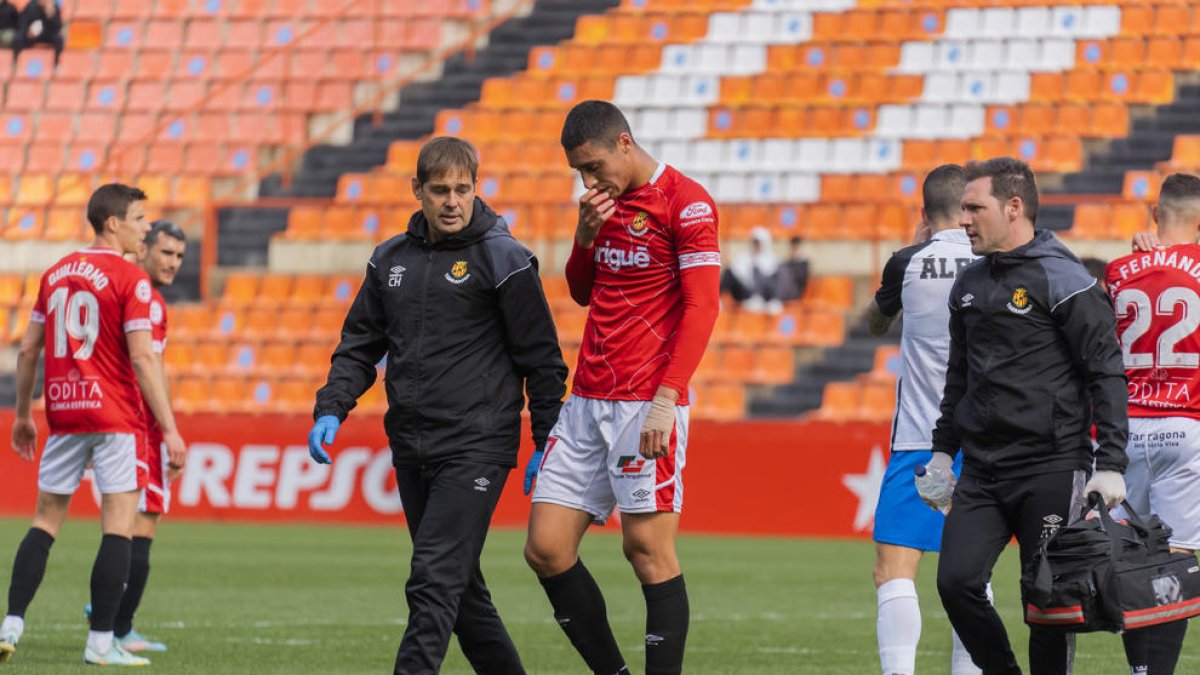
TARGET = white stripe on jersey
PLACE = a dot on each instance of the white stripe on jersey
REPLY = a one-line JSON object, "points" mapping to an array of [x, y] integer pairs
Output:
{"points": [[699, 259]]}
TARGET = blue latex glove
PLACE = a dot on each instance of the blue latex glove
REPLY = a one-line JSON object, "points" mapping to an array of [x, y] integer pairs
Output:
{"points": [[323, 432], [531, 469]]}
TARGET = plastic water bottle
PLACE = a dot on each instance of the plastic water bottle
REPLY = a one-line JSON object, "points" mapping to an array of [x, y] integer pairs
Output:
{"points": [[934, 487]]}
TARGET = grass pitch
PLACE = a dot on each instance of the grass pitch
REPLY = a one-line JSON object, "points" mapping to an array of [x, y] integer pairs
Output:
{"points": [[321, 599]]}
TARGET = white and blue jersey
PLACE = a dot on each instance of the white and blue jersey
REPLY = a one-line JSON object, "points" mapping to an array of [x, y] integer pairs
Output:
{"points": [[917, 280]]}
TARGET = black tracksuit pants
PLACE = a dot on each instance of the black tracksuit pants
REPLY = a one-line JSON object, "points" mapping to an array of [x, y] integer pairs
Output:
{"points": [[449, 507], [985, 516]]}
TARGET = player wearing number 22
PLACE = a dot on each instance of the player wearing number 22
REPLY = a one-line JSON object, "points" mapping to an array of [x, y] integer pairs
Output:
{"points": [[1157, 297], [92, 316]]}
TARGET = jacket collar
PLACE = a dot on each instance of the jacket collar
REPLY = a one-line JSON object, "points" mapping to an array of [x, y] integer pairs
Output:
{"points": [[483, 219]]}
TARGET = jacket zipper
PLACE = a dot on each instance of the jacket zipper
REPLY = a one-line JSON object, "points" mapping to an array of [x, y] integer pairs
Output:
{"points": [[420, 342]]}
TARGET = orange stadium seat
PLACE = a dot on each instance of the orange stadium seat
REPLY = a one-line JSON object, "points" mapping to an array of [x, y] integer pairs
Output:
{"points": [[774, 365], [721, 401], [24, 223], [10, 290], [209, 357], [313, 358], [260, 322], [241, 290], [294, 395], [1130, 218], [19, 324], [189, 321], [840, 401], [274, 290], [878, 401], [64, 224], [887, 363], [190, 394], [1185, 154], [1093, 221], [229, 394], [294, 323]]}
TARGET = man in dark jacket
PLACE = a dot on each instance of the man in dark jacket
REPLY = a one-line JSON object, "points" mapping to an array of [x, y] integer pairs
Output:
{"points": [[39, 23], [1034, 360], [8, 22], [457, 307]]}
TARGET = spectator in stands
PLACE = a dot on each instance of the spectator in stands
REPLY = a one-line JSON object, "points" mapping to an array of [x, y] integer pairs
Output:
{"points": [[39, 23], [456, 307], [1032, 340], [916, 283], [9, 17], [793, 273], [753, 278]]}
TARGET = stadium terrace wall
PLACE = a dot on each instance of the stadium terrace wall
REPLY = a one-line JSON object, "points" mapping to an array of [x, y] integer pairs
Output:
{"points": [[761, 478]]}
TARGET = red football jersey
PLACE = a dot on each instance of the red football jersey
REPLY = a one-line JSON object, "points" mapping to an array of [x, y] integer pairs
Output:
{"points": [[1157, 297], [88, 301], [158, 333], [658, 230]]}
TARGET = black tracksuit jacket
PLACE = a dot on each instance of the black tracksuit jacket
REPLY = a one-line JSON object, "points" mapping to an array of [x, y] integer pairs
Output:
{"points": [[1034, 361], [467, 333]]}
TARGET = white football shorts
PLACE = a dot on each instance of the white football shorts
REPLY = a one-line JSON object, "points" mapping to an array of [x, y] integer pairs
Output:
{"points": [[113, 458], [592, 462], [1163, 476]]}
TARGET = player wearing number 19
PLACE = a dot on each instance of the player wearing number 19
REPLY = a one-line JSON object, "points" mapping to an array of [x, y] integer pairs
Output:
{"points": [[92, 315], [1158, 315]]}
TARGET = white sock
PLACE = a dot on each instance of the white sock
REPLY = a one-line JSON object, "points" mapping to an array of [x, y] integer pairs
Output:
{"points": [[100, 640], [899, 626], [13, 623], [960, 659]]}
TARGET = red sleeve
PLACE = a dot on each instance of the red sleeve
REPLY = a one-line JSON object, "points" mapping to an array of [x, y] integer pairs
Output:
{"points": [[158, 318], [1112, 273], [135, 310], [38, 315], [694, 227], [581, 272]]}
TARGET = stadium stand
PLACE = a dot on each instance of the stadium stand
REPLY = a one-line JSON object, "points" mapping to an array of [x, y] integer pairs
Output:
{"points": [[814, 118]]}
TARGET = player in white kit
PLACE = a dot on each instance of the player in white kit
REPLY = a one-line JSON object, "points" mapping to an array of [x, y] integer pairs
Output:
{"points": [[916, 282], [1157, 299], [646, 262]]}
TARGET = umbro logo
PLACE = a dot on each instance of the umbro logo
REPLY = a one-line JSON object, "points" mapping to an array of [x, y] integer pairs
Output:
{"points": [[641, 494], [653, 640], [1053, 519], [481, 484], [966, 300], [395, 276]]}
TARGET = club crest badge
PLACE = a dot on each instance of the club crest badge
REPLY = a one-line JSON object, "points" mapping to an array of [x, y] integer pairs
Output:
{"points": [[458, 273], [639, 225], [1019, 303]]}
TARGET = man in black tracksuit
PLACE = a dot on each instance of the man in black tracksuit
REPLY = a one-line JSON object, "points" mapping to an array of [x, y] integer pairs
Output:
{"points": [[1034, 361], [457, 306]]}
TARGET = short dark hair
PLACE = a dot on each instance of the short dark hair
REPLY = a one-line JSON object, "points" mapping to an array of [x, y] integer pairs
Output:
{"points": [[112, 199], [943, 190], [1010, 178], [1095, 267], [594, 121], [1178, 187], [161, 227], [446, 153]]}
